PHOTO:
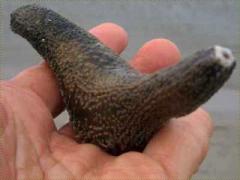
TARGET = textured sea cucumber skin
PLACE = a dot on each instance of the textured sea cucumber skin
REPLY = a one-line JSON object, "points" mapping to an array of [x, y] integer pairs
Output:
{"points": [[111, 104]]}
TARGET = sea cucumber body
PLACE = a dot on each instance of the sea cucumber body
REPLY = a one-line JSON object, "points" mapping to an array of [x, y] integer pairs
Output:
{"points": [[111, 104]]}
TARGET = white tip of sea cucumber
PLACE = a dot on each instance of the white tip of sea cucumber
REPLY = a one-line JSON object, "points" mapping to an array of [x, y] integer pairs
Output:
{"points": [[224, 55]]}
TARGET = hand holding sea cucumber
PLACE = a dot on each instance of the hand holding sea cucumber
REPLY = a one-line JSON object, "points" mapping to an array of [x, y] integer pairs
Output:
{"points": [[32, 147]]}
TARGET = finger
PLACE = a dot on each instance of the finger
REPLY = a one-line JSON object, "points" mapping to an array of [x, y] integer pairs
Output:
{"points": [[156, 54], [41, 80], [112, 35], [182, 145]]}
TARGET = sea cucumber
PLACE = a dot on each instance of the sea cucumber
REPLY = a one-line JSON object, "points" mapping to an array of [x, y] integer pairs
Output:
{"points": [[110, 103]]}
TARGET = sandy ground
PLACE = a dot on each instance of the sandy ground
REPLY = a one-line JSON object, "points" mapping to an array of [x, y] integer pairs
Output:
{"points": [[191, 24]]}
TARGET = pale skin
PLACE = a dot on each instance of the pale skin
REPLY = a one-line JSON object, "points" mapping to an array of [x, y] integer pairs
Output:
{"points": [[32, 148]]}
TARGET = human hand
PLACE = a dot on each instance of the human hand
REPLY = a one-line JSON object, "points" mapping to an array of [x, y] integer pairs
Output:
{"points": [[32, 148]]}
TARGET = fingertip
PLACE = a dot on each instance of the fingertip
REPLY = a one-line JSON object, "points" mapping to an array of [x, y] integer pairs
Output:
{"points": [[156, 54], [112, 35], [203, 119]]}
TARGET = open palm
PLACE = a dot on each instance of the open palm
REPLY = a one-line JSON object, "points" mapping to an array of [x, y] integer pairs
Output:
{"points": [[32, 148]]}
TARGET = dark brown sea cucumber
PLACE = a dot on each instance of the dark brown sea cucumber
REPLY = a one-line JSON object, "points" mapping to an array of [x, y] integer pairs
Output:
{"points": [[111, 104]]}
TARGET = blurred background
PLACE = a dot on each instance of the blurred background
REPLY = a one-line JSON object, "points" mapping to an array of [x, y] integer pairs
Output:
{"points": [[191, 24]]}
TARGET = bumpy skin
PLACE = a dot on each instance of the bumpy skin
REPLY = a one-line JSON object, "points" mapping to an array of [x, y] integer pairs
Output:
{"points": [[110, 104]]}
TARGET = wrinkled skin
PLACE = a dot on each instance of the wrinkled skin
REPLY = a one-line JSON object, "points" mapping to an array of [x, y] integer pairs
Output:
{"points": [[32, 148]]}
